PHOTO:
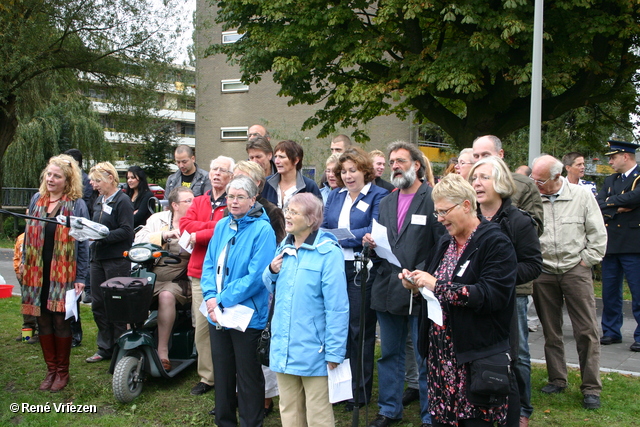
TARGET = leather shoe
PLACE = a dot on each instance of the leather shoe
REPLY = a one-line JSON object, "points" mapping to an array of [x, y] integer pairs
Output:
{"points": [[552, 389], [382, 421], [591, 401], [201, 388], [635, 346], [607, 340], [410, 395], [427, 425], [213, 411]]}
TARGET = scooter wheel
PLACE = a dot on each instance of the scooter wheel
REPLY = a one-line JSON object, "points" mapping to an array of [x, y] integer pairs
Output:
{"points": [[126, 383]]}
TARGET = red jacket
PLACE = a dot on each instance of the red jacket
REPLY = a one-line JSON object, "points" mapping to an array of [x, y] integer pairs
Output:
{"points": [[201, 218]]}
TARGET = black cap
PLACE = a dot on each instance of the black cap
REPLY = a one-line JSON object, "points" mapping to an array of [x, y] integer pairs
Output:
{"points": [[616, 147]]}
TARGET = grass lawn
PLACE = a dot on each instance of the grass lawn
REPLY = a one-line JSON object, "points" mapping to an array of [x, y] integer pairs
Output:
{"points": [[169, 402]]}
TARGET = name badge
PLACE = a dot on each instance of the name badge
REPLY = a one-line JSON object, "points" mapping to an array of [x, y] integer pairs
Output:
{"points": [[363, 206], [418, 219], [106, 209], [463, 268]]}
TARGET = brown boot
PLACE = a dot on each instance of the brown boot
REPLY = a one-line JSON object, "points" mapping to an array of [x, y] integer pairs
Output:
{"points": [[63, 350], [524, 421], [48, 344]]}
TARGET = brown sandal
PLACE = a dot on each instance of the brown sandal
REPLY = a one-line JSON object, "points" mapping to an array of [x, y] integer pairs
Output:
{"points": [[166, 364]]}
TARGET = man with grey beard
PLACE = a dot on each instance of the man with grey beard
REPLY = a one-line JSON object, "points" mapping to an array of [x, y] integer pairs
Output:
{"points": [[412, 231]]}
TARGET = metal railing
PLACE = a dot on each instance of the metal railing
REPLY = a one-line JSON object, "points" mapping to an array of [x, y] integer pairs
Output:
{"points": [[17, 198]]}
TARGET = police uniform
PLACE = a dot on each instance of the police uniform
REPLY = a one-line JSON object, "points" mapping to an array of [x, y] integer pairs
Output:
{"points": [[622, 259]]}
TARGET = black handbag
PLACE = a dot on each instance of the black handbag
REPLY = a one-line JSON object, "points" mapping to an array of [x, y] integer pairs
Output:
{"points": [[264, 342], [489, 380]]}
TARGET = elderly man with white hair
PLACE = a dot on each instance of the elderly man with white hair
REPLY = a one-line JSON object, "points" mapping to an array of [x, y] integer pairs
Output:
{"points": [[200, 221], [573, 241]]}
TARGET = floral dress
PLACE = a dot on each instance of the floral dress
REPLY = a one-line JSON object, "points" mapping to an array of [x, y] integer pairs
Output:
{"points": [[447, 381]]}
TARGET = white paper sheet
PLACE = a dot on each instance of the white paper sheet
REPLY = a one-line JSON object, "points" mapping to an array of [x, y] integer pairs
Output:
{"points": [[383, 248], [184, 242], [340, 382], [203, 309], [70, 305], [433, 306], [234, 317], [340, 233]]}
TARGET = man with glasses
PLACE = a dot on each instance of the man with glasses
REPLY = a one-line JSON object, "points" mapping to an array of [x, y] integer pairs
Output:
{"points": [[412, 231], [200, 221], [573, 241], [188, 174], [526, 197]]}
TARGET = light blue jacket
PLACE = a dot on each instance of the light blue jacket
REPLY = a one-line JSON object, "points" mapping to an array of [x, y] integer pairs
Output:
{"points": [[250, 243], [311, 315]]}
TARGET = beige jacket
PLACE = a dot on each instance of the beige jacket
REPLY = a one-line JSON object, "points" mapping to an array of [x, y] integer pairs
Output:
{"points": [[574, 230], [152, 231]]}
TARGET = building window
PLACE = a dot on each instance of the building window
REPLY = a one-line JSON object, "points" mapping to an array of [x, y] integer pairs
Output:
{"points": [[230, 133], [234, 85], [187, 129], [230, 37]]}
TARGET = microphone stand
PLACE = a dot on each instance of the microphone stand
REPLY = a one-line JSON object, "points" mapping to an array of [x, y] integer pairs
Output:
{"points": [[360, 262]]}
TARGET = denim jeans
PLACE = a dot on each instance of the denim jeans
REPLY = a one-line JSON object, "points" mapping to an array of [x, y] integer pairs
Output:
{"points": [[614, 267], [393, 337], [523, 363]]}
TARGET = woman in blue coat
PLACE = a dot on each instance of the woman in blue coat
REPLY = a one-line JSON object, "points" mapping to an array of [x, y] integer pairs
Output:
{"points": [[354, 205], [311, 313], [242, 246]]}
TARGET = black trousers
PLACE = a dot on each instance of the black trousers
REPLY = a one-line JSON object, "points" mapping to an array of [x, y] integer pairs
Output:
{"points": [[235, 363], [108, 332], [354, 292]]}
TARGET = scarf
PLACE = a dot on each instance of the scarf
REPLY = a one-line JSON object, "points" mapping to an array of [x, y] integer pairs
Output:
{"points": [[63, 263]]}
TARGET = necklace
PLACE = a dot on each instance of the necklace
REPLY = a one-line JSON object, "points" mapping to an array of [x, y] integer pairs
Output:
{"points": [[54, 201]]}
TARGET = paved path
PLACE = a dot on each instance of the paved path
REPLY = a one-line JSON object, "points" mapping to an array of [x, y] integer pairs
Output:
{"points": [[616, 357]]}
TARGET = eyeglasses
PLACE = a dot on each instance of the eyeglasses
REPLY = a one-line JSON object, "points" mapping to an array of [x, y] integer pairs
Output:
{"points": [[442, 214], [462, 163], [238, 198], [481, 177], [290, 212], [221, 170], [538, 182], [185, 201], [399, 161]]}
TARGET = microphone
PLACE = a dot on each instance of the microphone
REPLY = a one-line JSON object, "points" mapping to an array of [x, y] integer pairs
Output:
{"points": [[367, 250]]}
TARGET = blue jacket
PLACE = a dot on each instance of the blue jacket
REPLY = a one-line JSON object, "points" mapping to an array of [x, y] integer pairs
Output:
{"points": [[311, 315], [360, 220], [250, 249]]}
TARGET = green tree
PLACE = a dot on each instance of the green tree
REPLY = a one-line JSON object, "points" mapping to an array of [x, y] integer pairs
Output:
{"points": [[463, 65], [69, 123], [109, 42], [157, 151]]}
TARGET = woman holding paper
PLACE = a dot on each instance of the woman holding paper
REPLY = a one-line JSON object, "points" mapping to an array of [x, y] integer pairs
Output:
{"points": [[53, 264], [242, 246], [472, 273], [172, 283], [491, 179], [354, 206], [311, 313]]}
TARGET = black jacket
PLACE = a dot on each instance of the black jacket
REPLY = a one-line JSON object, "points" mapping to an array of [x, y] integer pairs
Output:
{"points": [[119, 218], [412, 244], [520, 227], [487, 268], [623, 229]]}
